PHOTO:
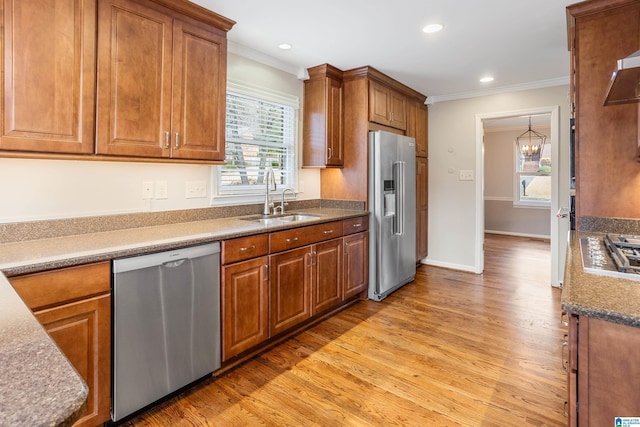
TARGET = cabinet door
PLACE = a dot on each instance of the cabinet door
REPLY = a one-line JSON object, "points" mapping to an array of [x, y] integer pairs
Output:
{"points": [[422, 207], [422, 131], [290, 283], [334, 123], [379, 103], [245, 306], [356, 265], [199, 91], [322, 129], [326, 285], [397, 110], [82, 331], [49, 75], [134, 79]]}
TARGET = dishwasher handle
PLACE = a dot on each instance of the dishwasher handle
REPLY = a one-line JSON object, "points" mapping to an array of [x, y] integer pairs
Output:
{"points": [[122, 265]]}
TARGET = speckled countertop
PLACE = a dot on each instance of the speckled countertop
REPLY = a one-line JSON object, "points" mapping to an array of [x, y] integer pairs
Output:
{"points": [[38, 385], [595, 295], [45, 254]]}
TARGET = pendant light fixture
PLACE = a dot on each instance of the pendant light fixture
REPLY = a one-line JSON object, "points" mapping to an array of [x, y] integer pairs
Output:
{"points": [[531, 143]]}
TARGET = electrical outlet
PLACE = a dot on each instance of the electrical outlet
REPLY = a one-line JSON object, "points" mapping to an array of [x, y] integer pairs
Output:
{"points": [[195, 189], [161, 190], [147, 190], [466, 175]]}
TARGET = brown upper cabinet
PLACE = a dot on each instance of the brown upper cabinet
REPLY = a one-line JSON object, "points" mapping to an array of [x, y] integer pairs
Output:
{"points": [[49, 72], [322, 121], [116, 77], [387, 107], [161, 83]]}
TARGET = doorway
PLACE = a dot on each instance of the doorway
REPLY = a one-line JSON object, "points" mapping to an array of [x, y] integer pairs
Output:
{"points": [[520, 209]]}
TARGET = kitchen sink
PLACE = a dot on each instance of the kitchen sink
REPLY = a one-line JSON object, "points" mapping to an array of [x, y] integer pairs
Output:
{"points": [[280, 219]]}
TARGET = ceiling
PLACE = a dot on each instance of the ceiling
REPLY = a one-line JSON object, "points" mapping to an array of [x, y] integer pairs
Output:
{"points": [[522, 44]]}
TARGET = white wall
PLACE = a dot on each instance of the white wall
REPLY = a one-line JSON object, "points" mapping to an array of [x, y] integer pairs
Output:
{"points": [[51, 189], [452, 147]]}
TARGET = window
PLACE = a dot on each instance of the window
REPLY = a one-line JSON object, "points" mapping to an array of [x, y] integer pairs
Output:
{"points": [[260, 134], [532, 185]]}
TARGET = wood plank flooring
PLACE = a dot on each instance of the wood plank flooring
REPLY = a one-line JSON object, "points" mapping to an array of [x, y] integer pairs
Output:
{"points": [[450, 349]]}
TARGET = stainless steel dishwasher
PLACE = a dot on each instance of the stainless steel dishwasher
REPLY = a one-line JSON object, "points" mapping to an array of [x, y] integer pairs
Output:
{"points": [[166, 331]]}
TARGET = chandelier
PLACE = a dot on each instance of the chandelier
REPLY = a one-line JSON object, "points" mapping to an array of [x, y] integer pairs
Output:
{"points": [[531, 143]]}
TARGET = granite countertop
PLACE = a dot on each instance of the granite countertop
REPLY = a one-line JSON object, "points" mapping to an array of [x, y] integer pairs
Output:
{"points": [[45, 254], [594, 295], [38, 385]]}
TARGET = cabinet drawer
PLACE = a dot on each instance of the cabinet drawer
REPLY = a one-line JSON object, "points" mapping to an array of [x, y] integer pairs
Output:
{"points": [[48, 288], [355, 225], [244, 248], [289, 239]]}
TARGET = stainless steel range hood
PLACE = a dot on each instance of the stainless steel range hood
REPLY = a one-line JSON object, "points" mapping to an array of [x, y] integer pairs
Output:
{"points": [[625, 81]]}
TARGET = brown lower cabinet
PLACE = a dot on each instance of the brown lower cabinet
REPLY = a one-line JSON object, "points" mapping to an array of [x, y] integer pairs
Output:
{"points": [[311, 270], [245, 305], [356, 267], [76, 312], [603, 371], [289, 285]]}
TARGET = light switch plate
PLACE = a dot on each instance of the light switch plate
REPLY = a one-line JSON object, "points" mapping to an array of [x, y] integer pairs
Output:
{"points": [[466, 175], [195, 189], [161, 190]]}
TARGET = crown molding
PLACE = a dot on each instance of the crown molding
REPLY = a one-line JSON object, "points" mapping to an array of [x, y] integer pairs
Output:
{"points": [[504, 89], [246, 52]]}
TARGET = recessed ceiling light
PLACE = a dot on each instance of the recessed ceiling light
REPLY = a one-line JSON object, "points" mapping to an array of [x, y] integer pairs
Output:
{"points": [[432, 28], [486, 79], [284, 46]]}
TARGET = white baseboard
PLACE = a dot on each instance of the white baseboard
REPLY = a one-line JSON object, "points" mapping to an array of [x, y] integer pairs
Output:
{"points": [[511, 233], [451, 266]]}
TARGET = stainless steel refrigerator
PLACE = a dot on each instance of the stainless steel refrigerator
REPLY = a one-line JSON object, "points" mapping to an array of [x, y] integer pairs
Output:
{"points": [[392, 202]]}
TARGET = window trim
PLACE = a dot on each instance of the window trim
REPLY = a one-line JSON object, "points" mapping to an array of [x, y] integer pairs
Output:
{"points": [[226, 198], [517, 202]]}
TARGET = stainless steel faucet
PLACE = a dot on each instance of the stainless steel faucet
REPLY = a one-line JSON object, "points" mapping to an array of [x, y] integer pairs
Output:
{"points": [[270, 185]]}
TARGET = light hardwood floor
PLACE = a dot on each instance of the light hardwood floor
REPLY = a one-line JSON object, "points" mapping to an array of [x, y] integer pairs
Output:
{"points": [[451, 348]]}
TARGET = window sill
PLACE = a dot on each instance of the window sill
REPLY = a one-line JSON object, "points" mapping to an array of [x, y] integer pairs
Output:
{"points": [[532, 205], [246, 199]]}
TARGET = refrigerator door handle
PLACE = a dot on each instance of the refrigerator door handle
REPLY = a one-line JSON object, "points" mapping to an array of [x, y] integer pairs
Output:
{"points": [[400, 183]]}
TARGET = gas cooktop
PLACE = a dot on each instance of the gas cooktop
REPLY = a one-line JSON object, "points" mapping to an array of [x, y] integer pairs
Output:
{"points": [[613, 255]]}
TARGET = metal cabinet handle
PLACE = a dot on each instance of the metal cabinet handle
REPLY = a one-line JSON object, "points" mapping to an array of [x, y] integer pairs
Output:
{"points": [[357, 225], [247, 248], [295, 239], [329, 152], [177, 139], [328, 231], [266, 272], [565, 345], [566, 411], [166, 139]]}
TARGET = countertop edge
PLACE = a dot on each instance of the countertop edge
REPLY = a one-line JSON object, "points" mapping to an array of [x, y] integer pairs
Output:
{"points": [[45, 389], [602, 297]]}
